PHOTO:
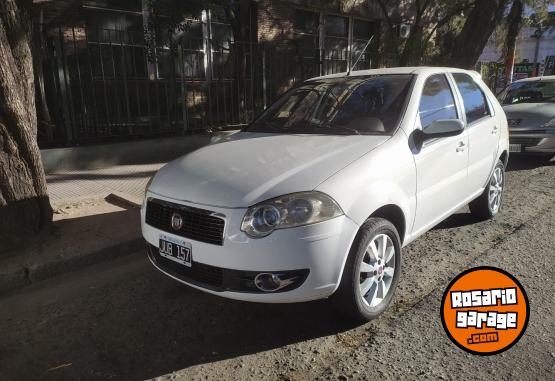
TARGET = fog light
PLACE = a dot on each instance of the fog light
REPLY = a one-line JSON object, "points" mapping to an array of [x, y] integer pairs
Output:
{"points": [[269, 282]]}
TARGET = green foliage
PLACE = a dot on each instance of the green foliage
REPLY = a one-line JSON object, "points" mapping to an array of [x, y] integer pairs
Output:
{"points": [[535, 15], [433, 23], [539, 11]]}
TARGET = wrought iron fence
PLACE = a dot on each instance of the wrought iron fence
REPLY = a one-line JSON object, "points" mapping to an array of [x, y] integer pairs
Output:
{"points": [[106, 84]]}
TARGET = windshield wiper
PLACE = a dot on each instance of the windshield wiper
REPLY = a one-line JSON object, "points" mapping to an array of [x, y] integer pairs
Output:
{"points": [[347, 129], [337, 127]]}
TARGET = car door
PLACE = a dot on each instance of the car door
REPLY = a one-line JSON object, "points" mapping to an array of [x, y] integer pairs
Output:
{"points": [[441, 164], [482, 128]]}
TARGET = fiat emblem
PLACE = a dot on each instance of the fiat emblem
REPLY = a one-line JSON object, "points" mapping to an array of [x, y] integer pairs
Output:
{"points": [[177, 221]]}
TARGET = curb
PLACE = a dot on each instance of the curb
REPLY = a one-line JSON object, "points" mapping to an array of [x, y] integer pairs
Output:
{"points": [[19, 275], [124, 199]]}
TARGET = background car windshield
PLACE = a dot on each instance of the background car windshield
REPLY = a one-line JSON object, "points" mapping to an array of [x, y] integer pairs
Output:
{"points": [[529, 92], [353, 105]]}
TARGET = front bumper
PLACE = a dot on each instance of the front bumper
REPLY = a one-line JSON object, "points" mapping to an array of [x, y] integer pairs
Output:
{"points": [[541, 141], [318, 251]]}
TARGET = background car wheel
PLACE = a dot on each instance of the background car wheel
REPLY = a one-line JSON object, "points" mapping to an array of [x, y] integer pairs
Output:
{"points": [[546, 158], [372, 271], [489, 203]]}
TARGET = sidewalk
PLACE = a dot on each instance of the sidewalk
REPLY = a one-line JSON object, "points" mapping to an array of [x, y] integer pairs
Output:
{"points": [[96, 218], [65, 186]]}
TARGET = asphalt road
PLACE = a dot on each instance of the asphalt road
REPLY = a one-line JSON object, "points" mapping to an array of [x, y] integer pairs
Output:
{"points": [[124, 320]]}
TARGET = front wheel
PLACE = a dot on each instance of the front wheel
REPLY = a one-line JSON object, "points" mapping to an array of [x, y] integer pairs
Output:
{"points": [[371, 272], [489, 203]]}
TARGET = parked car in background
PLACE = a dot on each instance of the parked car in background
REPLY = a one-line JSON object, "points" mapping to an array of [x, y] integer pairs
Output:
{"points": [[317, 196], [530, 107]]}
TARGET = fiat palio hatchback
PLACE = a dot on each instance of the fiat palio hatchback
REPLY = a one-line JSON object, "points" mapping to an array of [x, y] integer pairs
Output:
{"points": [[317, 196]]}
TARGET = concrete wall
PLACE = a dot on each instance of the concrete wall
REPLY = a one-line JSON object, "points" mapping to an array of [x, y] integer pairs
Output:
{"points": [[136, 152]]}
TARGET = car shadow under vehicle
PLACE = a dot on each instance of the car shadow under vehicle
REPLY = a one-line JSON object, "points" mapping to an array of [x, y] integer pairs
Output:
{"points": [[457, 220], [525, 162], [138, 324]]}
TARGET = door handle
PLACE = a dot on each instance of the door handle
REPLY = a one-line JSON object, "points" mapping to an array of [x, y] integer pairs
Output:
{"points": [[460, 147], [494, 130]]}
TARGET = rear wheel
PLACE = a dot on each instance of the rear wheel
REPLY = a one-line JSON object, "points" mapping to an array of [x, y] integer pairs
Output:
{"points": [[489, 203], [372, 271]]}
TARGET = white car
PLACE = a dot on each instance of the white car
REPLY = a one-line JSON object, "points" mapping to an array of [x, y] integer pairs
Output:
{"points": [[318, 195]]}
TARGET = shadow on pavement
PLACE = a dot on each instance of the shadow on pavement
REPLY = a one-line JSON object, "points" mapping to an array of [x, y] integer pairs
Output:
{"points": [[526, 162], [457, 220], [132, 322]]}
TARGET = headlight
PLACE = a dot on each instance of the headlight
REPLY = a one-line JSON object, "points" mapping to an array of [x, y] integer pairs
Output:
{"points": [[288, 211], [549, 124]]}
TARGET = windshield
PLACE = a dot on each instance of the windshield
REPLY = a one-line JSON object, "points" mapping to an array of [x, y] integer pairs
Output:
{"points": [[349, 105], [528, 92]]}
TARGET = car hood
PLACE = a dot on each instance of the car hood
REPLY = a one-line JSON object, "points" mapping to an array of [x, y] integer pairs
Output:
{"points": [[530, 114], [247, 168]]}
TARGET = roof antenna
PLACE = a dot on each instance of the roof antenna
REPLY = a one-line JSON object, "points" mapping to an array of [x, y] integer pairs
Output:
{"points": [[360, 55]]}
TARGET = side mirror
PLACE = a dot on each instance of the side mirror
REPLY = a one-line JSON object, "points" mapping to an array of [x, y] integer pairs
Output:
{"points": [[441, 128]]}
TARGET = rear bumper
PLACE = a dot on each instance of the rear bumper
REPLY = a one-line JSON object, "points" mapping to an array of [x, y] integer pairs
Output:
{"points": [[534, 141]]}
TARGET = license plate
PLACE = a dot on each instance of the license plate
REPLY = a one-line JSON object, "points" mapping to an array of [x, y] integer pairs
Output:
{"points": [[515, 147], [175, 249]]}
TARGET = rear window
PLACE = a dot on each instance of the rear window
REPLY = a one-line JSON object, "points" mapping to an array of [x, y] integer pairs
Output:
{"points": [[474, 99], [529, 92]]}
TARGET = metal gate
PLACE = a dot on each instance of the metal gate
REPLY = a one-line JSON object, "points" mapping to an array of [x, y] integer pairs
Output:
{"points": [[106, 85]]}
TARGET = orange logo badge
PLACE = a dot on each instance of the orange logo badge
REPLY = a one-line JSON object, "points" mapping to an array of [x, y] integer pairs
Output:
{"points": [[485, 310]]}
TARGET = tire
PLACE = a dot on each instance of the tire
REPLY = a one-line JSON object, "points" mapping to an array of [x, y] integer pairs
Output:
{"points": [[348, 298], [484, 207], [546, 158]]}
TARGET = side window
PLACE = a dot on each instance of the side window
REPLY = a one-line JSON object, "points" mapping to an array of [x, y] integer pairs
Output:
{"points": [[437, 101], [474, 99]]}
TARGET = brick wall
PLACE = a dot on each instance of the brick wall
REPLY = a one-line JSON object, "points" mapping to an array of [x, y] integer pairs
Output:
{"points": [[276, 17]]}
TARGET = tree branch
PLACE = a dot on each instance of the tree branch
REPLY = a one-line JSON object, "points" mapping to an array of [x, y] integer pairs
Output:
{"points": [[383, 7], [445, 19]]}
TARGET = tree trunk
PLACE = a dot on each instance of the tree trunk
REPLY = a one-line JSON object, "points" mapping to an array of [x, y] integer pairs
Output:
{"points": [[24, 205], [38, 52], [514, 22], [476, 31]]}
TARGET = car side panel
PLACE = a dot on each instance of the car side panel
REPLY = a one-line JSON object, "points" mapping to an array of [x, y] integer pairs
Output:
{"points": [[503, 143], [483, 137], [387, 177], [501, 118]]}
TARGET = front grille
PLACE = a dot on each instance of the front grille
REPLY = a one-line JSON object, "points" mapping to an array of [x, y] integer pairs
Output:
{"points": [[526, 142], [200, 274], [198, 224]]}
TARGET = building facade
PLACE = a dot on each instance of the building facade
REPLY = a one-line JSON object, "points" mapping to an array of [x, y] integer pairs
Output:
{"points": [[534, 53], [107, 76]]}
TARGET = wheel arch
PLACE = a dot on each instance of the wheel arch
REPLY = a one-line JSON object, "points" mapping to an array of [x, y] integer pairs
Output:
{"points": [[504, 157], [395, 215]]}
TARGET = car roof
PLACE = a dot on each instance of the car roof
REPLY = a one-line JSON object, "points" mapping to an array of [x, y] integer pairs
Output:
{"points": [[533, 79], [399, 70]]}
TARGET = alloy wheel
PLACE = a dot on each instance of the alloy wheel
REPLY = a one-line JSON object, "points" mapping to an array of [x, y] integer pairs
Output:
{"points": [[376, 270], [495, 190]]}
